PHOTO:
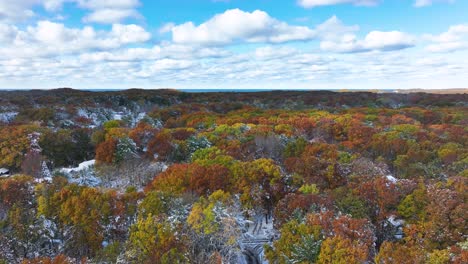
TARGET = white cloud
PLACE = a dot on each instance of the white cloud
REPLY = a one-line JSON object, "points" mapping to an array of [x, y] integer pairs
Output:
{"points": [[104, 4], [455, 38], [390, 40], [315, 3], [164, 66], [110, 11], [22, 9], [157, 52], [238, 26], [374, 41], [7, 33], [338, 37], [333, 29], [102, 11], [53, 5], [52, 39], [58, 35], [285, 68], [166, 28], [16, 10], [127, 34], [270, 52], [109, 16], [422, 3], [131, 54], [53, 54]]}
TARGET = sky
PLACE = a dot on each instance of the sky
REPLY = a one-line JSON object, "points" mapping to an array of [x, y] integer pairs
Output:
{"points": [[231, 44]]}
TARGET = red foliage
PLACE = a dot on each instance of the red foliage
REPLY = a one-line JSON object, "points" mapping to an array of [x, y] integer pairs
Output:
{"points": [[105, 151]]}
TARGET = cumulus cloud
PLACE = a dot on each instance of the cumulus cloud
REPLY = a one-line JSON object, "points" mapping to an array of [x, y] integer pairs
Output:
{"points": [[374, 41], [16, 10], [48, 38], [315, 3], [55, 53], [455, 38], [238, 26], [59, 35], [337, 37]]}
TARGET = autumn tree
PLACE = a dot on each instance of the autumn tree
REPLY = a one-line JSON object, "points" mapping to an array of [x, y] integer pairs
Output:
{"points": [[400, 253], [67, 147], [215, 228], [341, 250], [260, 184], [14, 144], [299, 242], [152, 241], [105, 152]]}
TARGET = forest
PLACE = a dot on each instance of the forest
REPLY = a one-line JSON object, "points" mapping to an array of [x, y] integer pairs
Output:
{"points": [[280, 177]]}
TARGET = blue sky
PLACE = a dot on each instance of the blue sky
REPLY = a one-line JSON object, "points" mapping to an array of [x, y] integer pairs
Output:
{"points": [[318, 44]]}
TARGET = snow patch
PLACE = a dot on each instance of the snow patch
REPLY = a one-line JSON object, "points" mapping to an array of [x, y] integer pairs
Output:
{"points": [[83, 174], [118, 115], [392, 179], [397, 226], [7, 117], [82, 166], [395, 222]]}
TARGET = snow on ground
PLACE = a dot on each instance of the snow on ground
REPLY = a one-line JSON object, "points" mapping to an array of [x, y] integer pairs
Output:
{"points": [[260, 232], [45, 173], [140, 117], [7, 117], [83, 174], [397, 224], [97, 115], [260, 229], [82, 166], [86, 180], [392, 179], [118, 115]]}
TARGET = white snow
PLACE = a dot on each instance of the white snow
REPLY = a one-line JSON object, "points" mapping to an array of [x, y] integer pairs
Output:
{"points": [[34, 139], [391, 179], [82, 166], [395, 222], [7, 117], [259, 232], [83, 174], [42, 180], [86, 180], [118, 115], [82, 113], [138, 118], [398, 224]]}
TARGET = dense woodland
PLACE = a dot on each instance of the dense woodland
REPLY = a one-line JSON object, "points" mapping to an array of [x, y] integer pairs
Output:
{"points": [[163, 176]]}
